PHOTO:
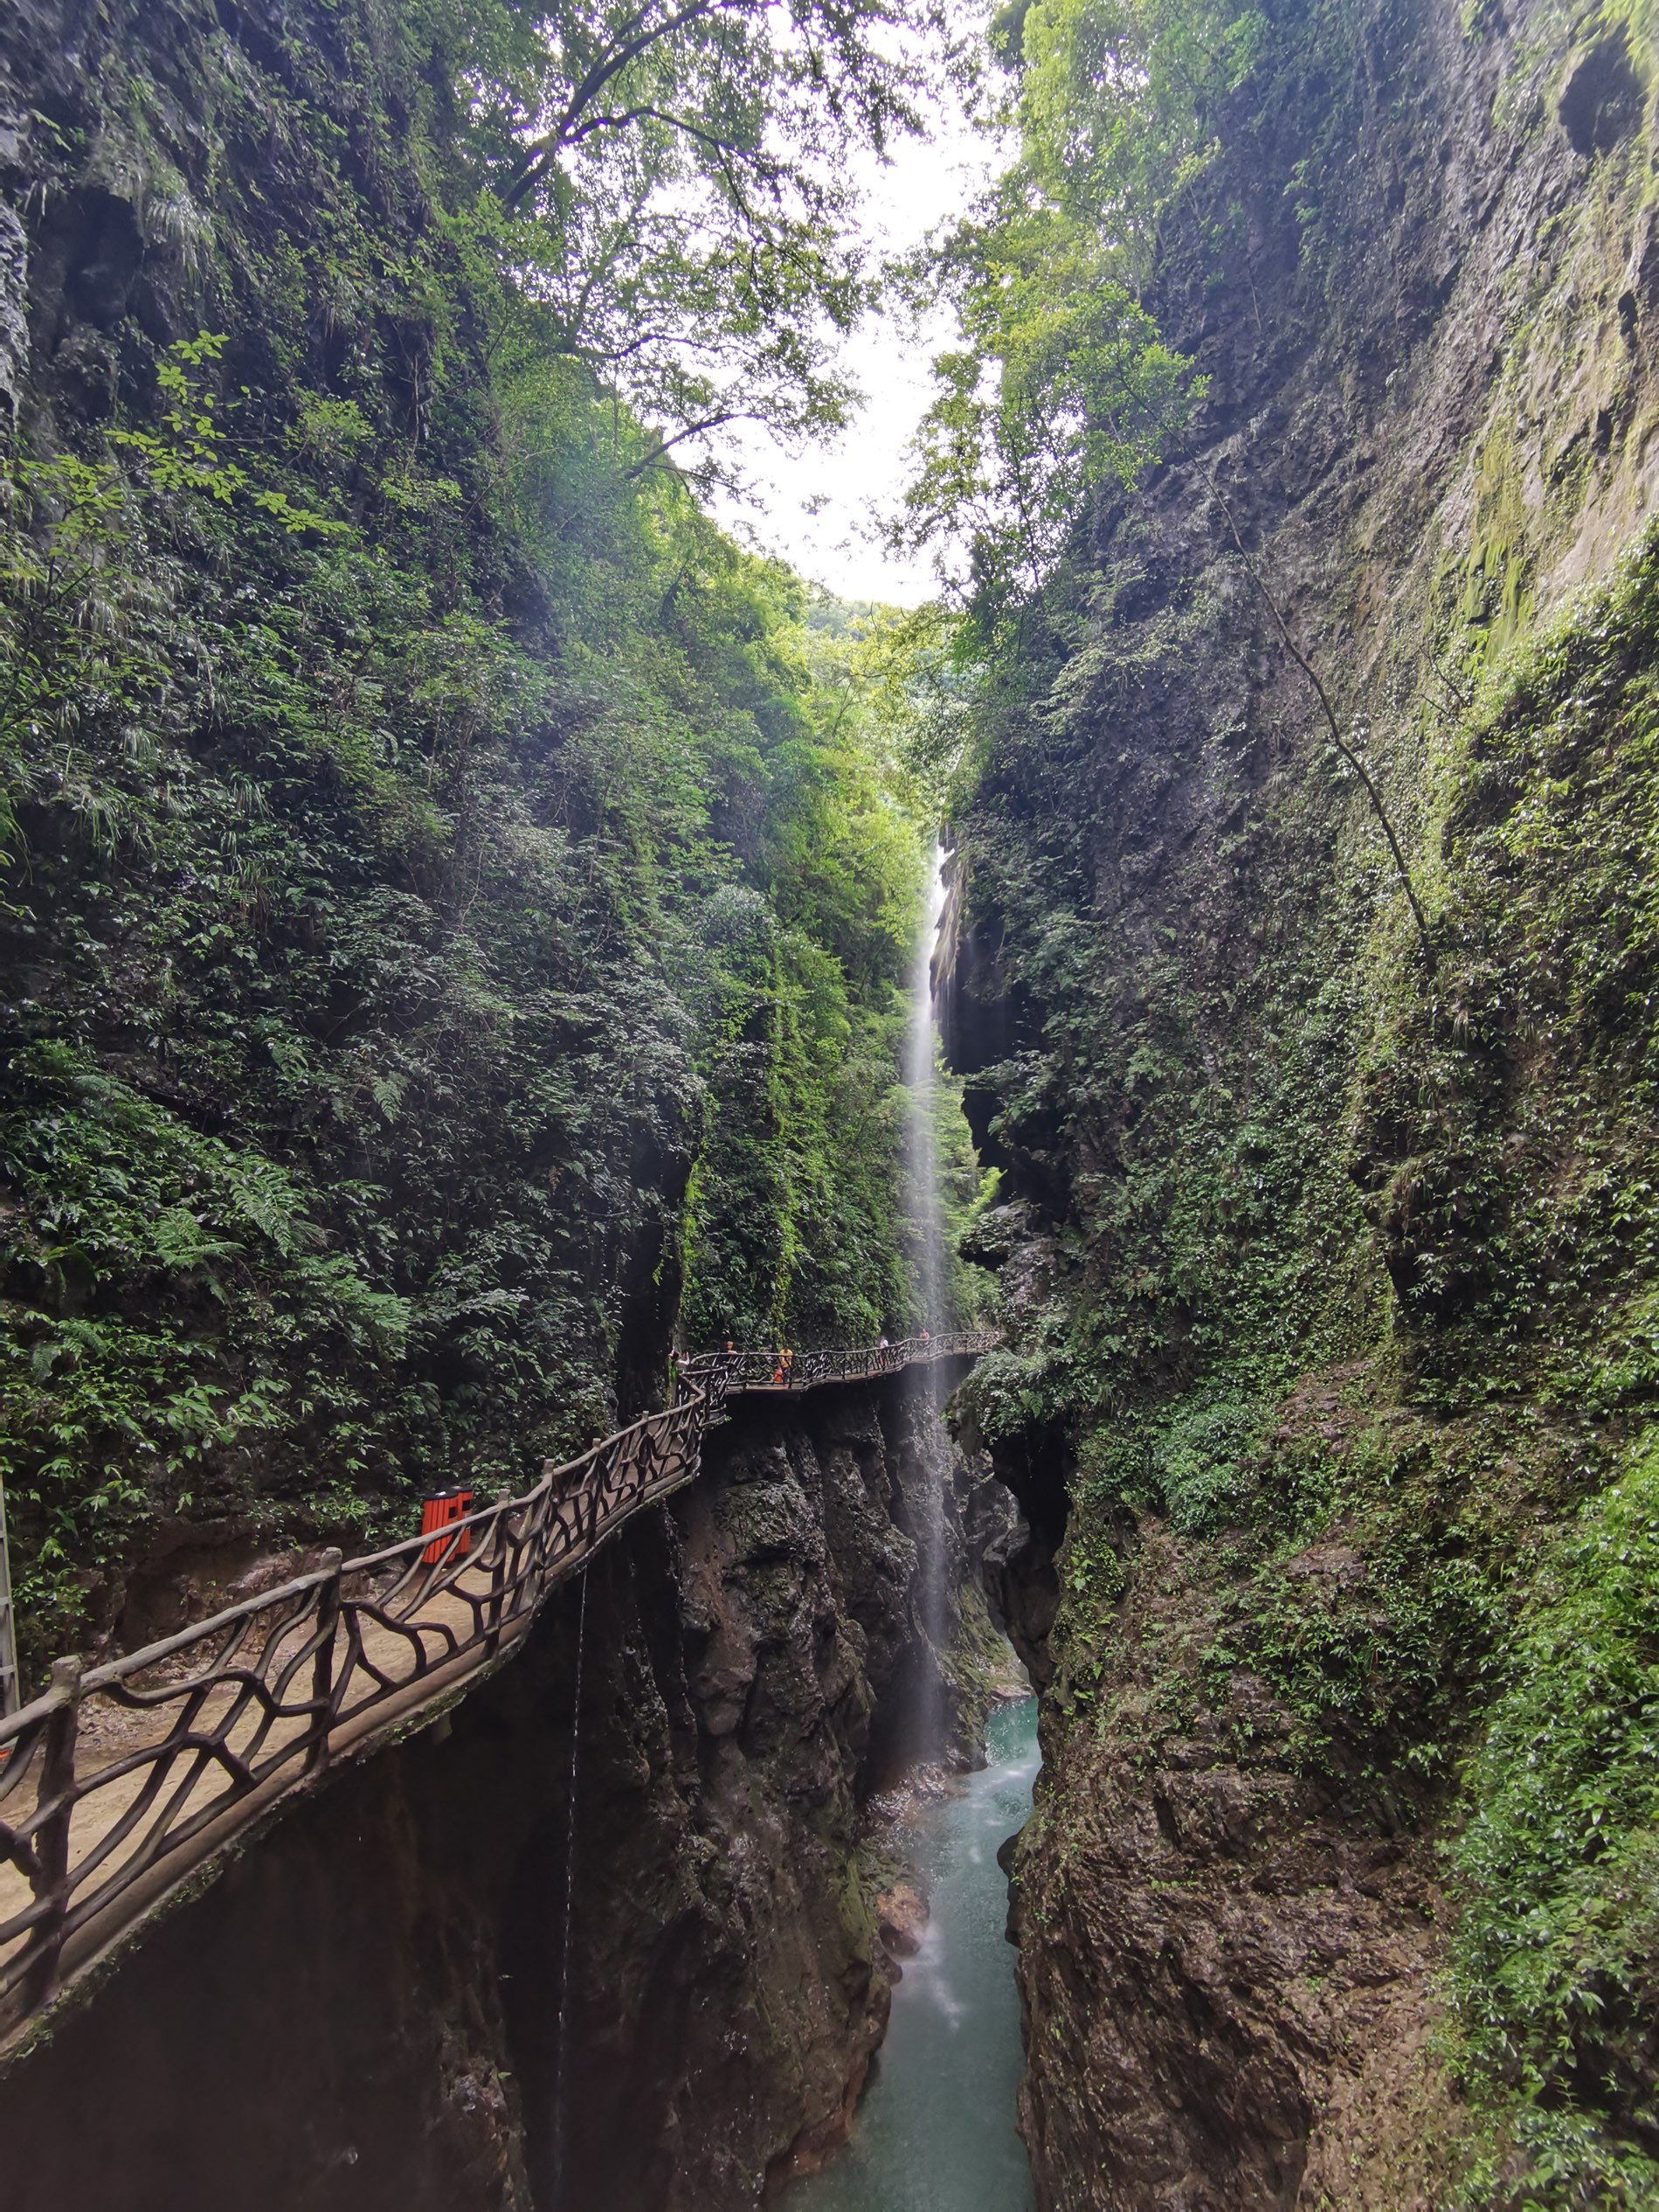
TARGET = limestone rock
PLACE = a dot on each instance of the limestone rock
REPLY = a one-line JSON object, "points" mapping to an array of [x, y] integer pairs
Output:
{"points": [[902, 1914]]}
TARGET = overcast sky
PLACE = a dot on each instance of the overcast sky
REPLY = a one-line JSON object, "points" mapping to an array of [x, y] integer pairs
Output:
{"points": [[864, 469]]}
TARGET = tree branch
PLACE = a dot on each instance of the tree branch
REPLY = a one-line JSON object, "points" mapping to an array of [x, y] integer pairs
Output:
{"points": [[610, 65], [763, 163], [653, 459], [1336, 738]]}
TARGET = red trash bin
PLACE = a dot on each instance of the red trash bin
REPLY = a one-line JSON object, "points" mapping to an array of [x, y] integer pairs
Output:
{"points": [[436, 1514]]}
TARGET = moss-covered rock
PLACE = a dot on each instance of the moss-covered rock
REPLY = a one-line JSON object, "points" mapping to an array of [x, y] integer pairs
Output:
{"points": [[1331, 1253]]}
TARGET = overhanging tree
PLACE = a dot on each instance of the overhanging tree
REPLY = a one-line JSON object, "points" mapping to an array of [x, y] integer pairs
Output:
{"points": [[673, 188]]}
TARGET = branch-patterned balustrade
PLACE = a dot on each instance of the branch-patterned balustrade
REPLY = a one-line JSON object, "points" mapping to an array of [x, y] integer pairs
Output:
{"points": [[730, 1371], [120, 1780]]}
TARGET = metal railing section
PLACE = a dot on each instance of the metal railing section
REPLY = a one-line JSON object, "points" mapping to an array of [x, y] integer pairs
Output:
{"points": [[722, 1372], [121, 1777]]}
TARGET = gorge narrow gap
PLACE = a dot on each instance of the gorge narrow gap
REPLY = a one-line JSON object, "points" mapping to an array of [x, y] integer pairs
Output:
{"points": [[935, 2129]]}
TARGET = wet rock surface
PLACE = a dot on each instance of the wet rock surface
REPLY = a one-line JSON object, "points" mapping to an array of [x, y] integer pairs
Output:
{"points": [[901, 1915], [1226, 1967]]}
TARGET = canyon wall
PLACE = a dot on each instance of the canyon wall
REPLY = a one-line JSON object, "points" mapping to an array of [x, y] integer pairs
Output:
{"points": [[1328, 1244], [424, 993], [364, 2008], [437, 958]]}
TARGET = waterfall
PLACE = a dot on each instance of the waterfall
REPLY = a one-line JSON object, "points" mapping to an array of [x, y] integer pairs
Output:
{"points": [[569, 1911], [927, 1229], [921, 1147]]}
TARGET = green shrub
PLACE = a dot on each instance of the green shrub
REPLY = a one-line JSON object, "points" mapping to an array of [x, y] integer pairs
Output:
{"points": [[1555, 1963]]}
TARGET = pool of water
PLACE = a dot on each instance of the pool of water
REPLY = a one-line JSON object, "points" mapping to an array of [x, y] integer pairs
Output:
{"points": [[935, 2130]]}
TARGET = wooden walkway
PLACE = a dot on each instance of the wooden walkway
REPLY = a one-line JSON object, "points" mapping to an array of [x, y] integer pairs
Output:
{"points": [[121, 1783]]}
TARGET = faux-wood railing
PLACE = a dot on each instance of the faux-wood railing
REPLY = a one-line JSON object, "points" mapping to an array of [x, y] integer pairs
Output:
{"points": [[120, 1780]]}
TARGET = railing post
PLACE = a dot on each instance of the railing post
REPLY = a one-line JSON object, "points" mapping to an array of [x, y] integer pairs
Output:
{"points": [[497, 1571], [52, 1842], [323, 1666]]}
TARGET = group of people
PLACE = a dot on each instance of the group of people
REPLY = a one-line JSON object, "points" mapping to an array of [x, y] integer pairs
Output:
{"points": [[783, 1359]]}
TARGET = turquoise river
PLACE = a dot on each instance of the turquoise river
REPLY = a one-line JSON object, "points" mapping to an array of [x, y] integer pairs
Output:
{"points": [[935, 2130]]}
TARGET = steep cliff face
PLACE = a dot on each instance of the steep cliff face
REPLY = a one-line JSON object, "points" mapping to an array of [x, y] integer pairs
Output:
{"points": [[1329, 1250], [437, 936], [308, 1114], [369, 2007]]}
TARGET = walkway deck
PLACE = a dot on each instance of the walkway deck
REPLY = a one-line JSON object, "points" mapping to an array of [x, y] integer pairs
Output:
{"points": [[120, 1784]]}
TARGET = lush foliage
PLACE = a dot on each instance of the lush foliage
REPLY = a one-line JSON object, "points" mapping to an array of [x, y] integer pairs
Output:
{"points": [[1061, 381], [670, 185], [1555, 1948], [431, 845]]}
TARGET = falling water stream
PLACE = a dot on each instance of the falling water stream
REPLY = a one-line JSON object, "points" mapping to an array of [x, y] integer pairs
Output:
{"points": [[921, 1135], [935, 2132], [924, 1500]]}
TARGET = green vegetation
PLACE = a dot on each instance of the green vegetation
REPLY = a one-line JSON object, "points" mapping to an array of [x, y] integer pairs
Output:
{"points": [[433, 850], [1554, 1951], [1335, 1263], [1062, 382], [669, 185]]}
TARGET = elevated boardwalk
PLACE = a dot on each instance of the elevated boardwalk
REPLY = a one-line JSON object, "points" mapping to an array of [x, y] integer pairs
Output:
{"points": [[123, 1784]]}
